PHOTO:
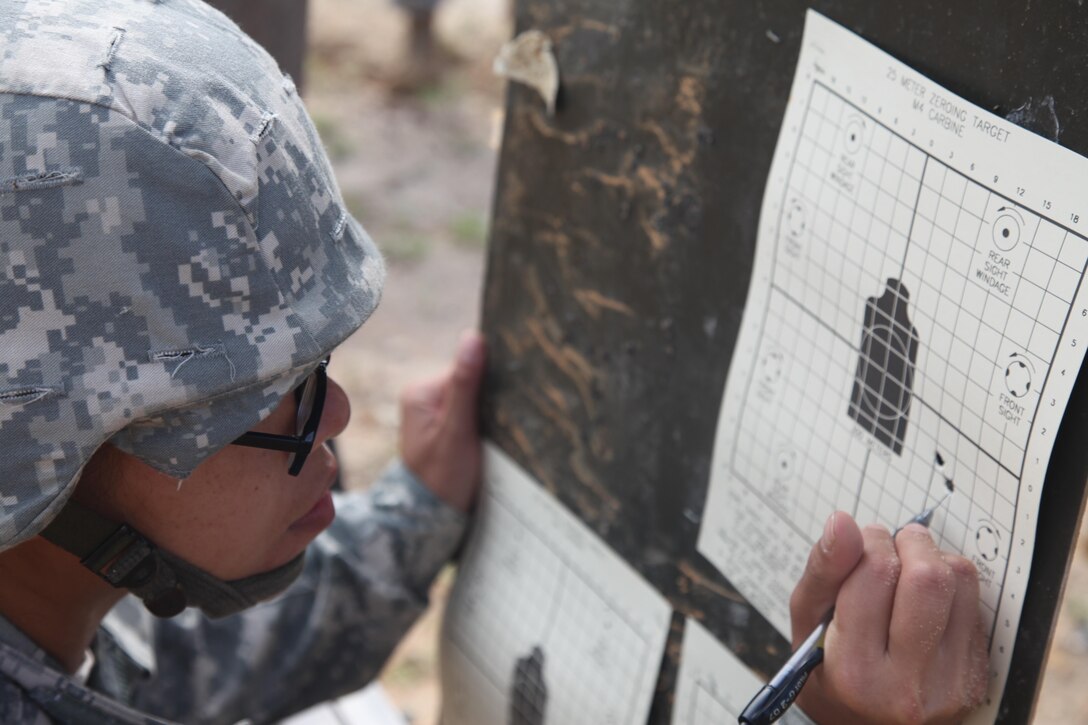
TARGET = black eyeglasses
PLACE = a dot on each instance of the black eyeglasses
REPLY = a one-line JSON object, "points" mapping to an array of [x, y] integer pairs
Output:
{"points": [[310, 397]]}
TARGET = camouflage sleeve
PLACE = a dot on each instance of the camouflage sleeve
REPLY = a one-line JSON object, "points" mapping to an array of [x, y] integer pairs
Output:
{"points": [[16, 706], [365, 582]]}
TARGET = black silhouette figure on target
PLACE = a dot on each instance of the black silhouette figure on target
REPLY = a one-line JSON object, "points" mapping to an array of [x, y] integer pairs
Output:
{"points": [[880, 401], [529, 696]]}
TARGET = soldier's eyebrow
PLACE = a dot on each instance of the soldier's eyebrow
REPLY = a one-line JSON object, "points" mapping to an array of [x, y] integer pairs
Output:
{"points": [[41, 180]]}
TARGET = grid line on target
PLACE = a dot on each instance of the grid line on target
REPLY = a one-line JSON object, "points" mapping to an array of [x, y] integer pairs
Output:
{"points": [[961, 216], [794, 428], [851, 233], [895, 214], [709, 709], [952, 348], [986, 287], [518, 595], [1012, 312], [973, 316]]}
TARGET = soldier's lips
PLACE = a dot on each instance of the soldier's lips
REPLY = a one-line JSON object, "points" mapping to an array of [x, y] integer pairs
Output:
{"points": [[318, 518], [321, 514]]}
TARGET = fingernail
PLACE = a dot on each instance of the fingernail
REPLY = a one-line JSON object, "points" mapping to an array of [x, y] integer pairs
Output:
{"points": [[918, 530], [827, 541]]}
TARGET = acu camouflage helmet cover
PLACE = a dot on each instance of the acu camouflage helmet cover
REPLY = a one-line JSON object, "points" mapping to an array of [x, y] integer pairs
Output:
{"points": [[175, 255]]}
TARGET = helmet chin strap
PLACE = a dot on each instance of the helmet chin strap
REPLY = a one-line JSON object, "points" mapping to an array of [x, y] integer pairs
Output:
{"points": [[166, 584]]}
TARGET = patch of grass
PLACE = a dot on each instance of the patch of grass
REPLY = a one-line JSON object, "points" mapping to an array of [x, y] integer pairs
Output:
{"points": [[399, 239], [1078, 608], [469, 229], [441, 93], [402, 240], [357, 206], [338, 145], [403, 245]]}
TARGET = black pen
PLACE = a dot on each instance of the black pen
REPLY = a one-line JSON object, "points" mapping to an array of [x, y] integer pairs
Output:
{"points": [[771, 702]]}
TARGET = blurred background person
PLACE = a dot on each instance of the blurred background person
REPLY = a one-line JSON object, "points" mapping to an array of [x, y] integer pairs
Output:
{"points": [[424, 57]]}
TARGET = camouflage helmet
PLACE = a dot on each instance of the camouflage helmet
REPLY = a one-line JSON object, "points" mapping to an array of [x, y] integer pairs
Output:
{"points": [[175, 255]]}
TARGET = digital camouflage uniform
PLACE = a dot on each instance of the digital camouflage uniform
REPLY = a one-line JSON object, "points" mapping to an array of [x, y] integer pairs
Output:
{"points": [[365, 583], [175, 257]]}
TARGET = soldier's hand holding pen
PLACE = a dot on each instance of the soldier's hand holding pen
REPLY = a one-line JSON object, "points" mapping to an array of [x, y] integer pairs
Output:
{"points": [[906, 644]]}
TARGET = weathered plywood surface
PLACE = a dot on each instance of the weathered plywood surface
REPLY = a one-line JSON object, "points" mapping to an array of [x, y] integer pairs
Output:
{"points": [[623, 240]]}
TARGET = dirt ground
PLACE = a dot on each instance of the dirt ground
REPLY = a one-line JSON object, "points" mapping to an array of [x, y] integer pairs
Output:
{"points": [[417, 169]]}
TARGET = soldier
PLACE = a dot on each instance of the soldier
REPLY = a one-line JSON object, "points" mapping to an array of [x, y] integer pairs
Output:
{"points": [[425, 59], [175, 258], [176, 265]]}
